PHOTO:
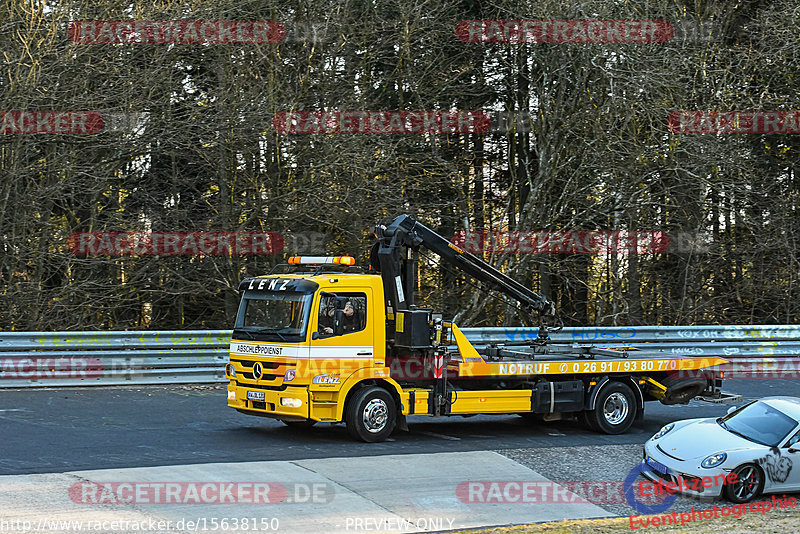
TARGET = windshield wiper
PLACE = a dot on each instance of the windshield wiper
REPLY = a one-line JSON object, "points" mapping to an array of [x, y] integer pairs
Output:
{"points": [[245, 332], [271, 331], [721, 423], [748, 438]]}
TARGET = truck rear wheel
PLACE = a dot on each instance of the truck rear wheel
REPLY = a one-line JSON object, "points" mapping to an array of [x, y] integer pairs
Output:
{"points": [[371, 414], [614, 410]]}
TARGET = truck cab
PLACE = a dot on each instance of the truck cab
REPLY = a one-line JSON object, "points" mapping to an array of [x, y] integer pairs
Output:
{"points": [[303, 340]]}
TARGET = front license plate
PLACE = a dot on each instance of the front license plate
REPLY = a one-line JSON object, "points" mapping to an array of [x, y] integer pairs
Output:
{"points": [[255, 395], [658, 466]]}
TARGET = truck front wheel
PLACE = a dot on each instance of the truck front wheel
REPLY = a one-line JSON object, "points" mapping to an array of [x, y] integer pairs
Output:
{"points": [[371, 414], [614, 410]]}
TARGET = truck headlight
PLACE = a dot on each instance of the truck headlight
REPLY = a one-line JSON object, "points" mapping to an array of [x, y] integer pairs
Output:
{"points": [[289, 375], [291, 402], [664, 430], [231, 371], [714, 460]]}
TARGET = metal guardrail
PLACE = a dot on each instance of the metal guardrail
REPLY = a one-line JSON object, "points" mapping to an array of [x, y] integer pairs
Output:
{"points": [[56, 359], [642, 334], [701, 341]]}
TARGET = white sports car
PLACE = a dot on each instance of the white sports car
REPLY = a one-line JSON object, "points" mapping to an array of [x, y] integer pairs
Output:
{"points": [[754, 449]]}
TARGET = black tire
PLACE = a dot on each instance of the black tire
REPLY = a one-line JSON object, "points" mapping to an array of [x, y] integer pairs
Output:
{"points": [[614, 409], [586, 419], [371, 414], [749, 484], [682, 390], [308, 423]]}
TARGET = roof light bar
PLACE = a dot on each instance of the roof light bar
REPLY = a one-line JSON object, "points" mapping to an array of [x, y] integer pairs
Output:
{"points": [[322, 260]]}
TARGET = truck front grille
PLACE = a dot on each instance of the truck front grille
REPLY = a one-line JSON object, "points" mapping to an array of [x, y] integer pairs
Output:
{"points": [[254, 386]]}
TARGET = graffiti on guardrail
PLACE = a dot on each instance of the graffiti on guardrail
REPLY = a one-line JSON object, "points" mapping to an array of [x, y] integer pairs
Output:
{"points": [[665, 334], [712, 333], [758, 333], [694, 334], [576, 334], [125, 338], [185, 339], [687, 351], [592, 334], [70, 341]]}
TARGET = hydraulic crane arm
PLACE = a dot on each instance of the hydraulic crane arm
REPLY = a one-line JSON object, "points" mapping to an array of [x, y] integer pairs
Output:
{"points": [[398, 238]]}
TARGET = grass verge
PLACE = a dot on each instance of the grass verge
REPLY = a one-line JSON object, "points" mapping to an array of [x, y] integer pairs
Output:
{"points": [[774, 521]]}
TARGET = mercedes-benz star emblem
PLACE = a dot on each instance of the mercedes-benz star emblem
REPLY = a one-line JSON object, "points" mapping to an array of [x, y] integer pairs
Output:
{"points": [[258, 371]]}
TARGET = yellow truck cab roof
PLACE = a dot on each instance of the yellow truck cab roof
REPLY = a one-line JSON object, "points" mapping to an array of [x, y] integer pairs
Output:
{"points": [[309, 282]]}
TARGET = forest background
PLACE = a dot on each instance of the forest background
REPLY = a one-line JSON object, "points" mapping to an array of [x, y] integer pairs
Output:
{"points": [[189, 145]]}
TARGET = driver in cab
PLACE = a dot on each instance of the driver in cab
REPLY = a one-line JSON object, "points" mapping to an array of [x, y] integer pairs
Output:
{"points": [[350, 320]]}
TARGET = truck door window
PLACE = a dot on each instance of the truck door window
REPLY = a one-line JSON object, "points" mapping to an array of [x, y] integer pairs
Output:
{"points": [[355, 313]]}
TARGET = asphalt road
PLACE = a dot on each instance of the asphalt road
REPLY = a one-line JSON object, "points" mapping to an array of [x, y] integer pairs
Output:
{"points": [[58, 430]]}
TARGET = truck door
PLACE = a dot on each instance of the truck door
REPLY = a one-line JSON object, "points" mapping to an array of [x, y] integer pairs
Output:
{"points": [[333, 358]]}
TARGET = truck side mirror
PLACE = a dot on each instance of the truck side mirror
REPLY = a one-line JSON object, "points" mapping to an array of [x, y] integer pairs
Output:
{"points": [[338, 322]]}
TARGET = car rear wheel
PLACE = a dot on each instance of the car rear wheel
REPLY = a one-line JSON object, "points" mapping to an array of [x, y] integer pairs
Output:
{"points": [[371, 414], [614, 409], [749, 484]]}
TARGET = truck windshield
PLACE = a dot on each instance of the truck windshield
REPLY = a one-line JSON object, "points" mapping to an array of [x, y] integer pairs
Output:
{"points": [[274, 315]]}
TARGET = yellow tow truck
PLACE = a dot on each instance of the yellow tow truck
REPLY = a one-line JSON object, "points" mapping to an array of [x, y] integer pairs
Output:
{"points": [[321, 340]]}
